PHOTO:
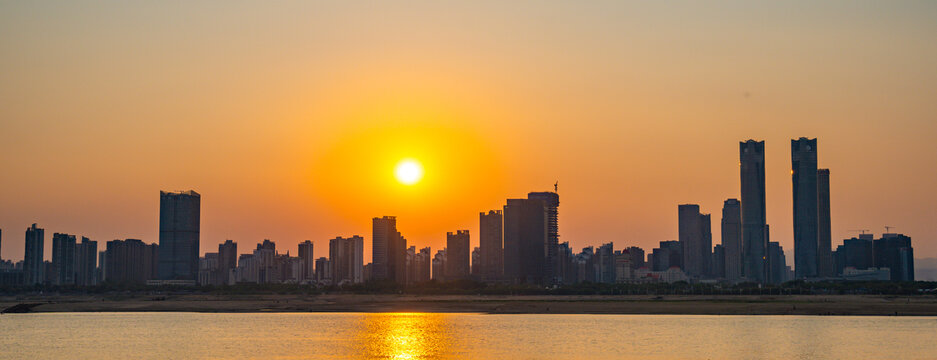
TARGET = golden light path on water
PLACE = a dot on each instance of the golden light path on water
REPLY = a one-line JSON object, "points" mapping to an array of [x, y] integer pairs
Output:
{"points": [[404, 336]]}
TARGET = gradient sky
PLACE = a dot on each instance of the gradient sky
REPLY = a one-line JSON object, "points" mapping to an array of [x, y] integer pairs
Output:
{"points": [[289, 116]]}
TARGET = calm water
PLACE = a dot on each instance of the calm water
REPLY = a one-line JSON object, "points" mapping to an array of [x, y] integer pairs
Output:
{"points": [[414, 336]]}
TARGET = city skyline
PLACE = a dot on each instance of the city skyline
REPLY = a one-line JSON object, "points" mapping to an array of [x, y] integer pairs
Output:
{"points": [[304, 148], [180, 211]]}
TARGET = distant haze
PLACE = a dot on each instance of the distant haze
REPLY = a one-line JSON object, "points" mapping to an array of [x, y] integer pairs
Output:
{"points": [[289, 117]]}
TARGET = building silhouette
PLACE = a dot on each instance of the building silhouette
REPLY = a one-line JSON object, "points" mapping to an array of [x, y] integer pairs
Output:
{"points": [[346, 257], [476, 263], [856, 253], [323, 271], [551, 201], [63, 259], [33, 266], [824, 232], [691, 238], [491, 245], [777, 263], [804, 178], [732, 240], [306, 251], [458, 255], [893, 251], [637, 257], [525, 240], [605, 264], [388, 251], [439, 265], [130, 261], [754, 223], [86, 256], [227, 260], [179, 219], [669, 254], [719, 262]]}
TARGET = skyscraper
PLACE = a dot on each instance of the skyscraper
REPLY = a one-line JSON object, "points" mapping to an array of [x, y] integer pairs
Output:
{"points": [[551, 201], [63, 259], [691, 239], [309, 261], [894, 251], [388, 250], [804, 179], [227, 259], [33, 266], [458, 255], [179, 219], [86, 256], [490, 244], [777, 262], [732, 239], [754, 237], [525, 240], [346, 258], [824, 234], [130, 261]]}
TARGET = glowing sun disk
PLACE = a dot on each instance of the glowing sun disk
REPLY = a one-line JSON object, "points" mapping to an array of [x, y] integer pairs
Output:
{"points": [[408, 171]]}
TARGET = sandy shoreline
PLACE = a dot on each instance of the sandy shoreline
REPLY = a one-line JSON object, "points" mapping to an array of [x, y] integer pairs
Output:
{"points": [[625, 304]]}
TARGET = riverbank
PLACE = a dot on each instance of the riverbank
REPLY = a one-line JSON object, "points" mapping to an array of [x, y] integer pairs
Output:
{"points": [[593, 304]]}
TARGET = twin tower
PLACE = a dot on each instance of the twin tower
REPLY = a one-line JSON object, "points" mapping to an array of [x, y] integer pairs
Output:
{"points": [[811, 192]]}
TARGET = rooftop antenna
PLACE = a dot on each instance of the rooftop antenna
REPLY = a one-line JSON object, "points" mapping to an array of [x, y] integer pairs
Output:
{"points": [[556, 187]]}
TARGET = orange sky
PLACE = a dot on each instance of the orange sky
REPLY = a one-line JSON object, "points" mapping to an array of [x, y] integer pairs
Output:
{"points": [[288, 118]]}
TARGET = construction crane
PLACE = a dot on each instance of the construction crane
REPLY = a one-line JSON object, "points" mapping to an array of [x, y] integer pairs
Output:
{"points": [[888, 229], [863, 231]]}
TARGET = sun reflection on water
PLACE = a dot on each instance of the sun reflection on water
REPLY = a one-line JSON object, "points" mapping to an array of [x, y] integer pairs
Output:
{"points": [[404, 336]]}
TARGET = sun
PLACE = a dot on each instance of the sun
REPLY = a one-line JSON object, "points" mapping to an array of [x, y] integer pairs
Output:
{"points": [[408, 171]]}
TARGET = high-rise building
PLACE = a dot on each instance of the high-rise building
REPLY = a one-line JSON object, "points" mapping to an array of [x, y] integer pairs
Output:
{"points": [[804, 179], [490, 244], [63, 259], [227, 260], [668, 255], [179, 219], [637, 257], [706, 252], [551, 201], [605, 264], [732, 239], [754, 221], [894, 251], [308, 260], [457, 255], [439, 265], [566, 259], [418, 265], [86, 256], [388, 251], [323, 270], [346, 257], [695, 231], [131, 261], [719, 262], [777, 263], [824, 234], [690, 238], [855, 253], [525, 240], [476, 262], [33, 267]]}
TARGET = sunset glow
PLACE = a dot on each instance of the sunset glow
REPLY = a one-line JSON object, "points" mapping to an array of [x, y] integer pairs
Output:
{"points": [[408, 171]]}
